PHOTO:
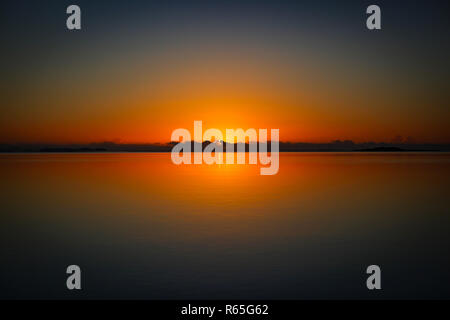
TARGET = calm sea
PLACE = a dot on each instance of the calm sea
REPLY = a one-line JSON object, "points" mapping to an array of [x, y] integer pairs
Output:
{"points": [[141, 227]]}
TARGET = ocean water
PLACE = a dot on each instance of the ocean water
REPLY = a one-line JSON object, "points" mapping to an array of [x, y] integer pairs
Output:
{"points": [[141, 227]]}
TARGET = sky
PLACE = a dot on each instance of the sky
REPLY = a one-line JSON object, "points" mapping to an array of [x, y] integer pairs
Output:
{"points": [[137, 70]]}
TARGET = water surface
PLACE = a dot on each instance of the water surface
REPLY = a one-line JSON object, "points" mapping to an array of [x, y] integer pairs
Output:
{"points": [[141, 227]]}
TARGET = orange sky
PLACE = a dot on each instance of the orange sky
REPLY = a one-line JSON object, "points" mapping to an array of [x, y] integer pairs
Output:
{"points": [[136, 85], [146, 102]]}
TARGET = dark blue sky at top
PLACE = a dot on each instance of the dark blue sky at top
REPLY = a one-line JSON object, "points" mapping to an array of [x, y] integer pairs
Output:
{"points": [[28, 22], [33, 31]]}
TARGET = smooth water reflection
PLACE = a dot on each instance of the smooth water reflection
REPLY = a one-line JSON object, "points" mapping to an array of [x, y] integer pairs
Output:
{"points": [[142, 227]]}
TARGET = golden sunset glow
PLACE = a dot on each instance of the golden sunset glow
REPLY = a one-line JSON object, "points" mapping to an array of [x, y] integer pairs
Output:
{"points": [[140, 84]]}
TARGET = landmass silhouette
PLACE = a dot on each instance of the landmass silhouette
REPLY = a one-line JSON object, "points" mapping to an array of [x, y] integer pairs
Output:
{"points": [[334, 146]]}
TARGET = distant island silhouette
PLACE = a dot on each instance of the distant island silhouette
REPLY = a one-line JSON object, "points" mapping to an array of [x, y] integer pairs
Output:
{"points": [[334, 146], [390, 149], [68, 149]]}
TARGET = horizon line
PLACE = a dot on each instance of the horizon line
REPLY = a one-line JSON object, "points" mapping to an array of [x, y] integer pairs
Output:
{"points": [[336, 145], [168, 143]]}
